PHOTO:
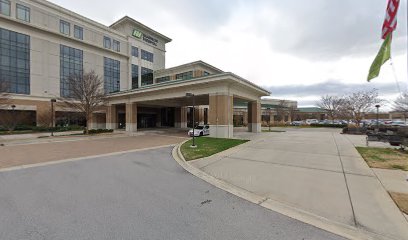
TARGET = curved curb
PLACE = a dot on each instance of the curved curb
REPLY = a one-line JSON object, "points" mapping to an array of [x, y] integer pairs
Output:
{"points": [[340, 229]]}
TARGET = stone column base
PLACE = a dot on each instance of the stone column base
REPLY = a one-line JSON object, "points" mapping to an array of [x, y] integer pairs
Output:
{"points": [[254, 127], [131, 127], [222, 131]]}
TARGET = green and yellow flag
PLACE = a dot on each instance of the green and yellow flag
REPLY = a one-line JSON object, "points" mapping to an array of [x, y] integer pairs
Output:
{"points": [[389, 26], [383, 56]]}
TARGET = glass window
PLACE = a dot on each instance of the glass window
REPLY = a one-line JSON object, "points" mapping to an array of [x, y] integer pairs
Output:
{"points": [[135, 76], [5, 7], [78, 32], [23, 13], [111, 75], [65, 27], [135, 52], [162, 79], [15, 61], [147, 76], [206, 73], [107, 42], [71, 63], [184, 76], [116, 46], [148, 56]]}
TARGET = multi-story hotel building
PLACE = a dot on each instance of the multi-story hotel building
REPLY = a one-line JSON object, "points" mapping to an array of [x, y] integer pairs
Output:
{"points": [[42, 44]]}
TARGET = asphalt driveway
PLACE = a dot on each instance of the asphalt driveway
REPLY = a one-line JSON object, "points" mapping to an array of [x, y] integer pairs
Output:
{"points": [[140, 195]]}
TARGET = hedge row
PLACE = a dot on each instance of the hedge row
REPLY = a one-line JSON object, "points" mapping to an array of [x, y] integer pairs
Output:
{"points": [[43, 129], [98, 131], [329, 125]]}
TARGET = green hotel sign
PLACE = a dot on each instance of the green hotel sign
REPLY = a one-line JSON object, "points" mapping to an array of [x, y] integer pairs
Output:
{"points": [[137, 34], [149, 39]]}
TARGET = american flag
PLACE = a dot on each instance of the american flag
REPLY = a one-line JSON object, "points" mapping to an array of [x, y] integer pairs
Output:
{"points": [[390, 22]]}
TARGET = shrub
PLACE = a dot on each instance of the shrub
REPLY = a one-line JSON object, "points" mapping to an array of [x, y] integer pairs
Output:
{"points": [[328, 125], [355, 130], [99, 131]]}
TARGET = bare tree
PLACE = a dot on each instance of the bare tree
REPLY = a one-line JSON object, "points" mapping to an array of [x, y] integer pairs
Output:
{"points": [[281, 110], [292, 110], [358, 103], [4, 95], [331, 104], [86, 95], [401, 105]]}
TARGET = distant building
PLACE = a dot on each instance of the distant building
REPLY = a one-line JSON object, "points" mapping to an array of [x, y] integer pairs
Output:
{"points": [[273, 110], [310, 113]]}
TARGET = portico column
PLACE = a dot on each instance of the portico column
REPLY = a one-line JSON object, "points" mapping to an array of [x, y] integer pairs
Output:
{"points": [[201, 115], [111, 117], [221, 110], [254, 116], [245, 118], [177, 117], [272, 116], [93, 121], [183, 117], [131, 117]]}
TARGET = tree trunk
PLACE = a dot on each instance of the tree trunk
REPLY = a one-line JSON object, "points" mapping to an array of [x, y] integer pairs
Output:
{"points": [[87, 124]]}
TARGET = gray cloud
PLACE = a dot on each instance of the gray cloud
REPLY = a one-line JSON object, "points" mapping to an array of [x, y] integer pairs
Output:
{"points": [[333, 87], [309, 95], [323, 30], [318, 30]]}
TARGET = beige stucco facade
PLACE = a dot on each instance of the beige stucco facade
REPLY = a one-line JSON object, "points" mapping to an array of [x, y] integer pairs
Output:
{"points": [[161, 102]]}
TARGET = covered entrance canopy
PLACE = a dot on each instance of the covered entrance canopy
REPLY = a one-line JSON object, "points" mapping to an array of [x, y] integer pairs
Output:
{"points": [[167, 105]]}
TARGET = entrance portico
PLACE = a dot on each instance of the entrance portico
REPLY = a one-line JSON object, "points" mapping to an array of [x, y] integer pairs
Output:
{"points": [[166, 104]]}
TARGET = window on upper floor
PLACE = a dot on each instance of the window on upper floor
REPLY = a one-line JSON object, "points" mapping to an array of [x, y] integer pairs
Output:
{"points": [[78, 32], [135, 52], [65, 27], [148, 56], [5, 7], [111, 75], [135, 76], [15, 61], [116, 46], [107, 43], [184, 75], [163, 79], [71, 64], [23, 13], [147, 76]]}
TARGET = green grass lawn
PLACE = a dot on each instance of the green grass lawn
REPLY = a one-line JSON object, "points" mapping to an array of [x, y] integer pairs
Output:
{"points": [[207, 146], [386, 158]]}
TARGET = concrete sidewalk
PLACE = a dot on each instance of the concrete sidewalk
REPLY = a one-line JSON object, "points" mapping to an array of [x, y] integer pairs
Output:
{"points": [[319, 172]]}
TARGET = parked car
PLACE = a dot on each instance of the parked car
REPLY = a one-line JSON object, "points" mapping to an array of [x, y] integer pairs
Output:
{"points": [[296, 123], [312, 121], [201, 130], [398, 123]]}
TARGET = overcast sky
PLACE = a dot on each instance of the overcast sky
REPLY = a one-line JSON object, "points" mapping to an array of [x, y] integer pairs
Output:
{"points": [[299, 50]]}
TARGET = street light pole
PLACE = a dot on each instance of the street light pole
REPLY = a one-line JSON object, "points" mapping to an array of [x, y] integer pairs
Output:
{"points": [[52, 116], [378, 107], [193, 96], [13, 114]]}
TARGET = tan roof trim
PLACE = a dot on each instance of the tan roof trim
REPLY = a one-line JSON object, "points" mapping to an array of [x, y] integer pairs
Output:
{"points": [[199, 62], [144, 27], [180, 83]]}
